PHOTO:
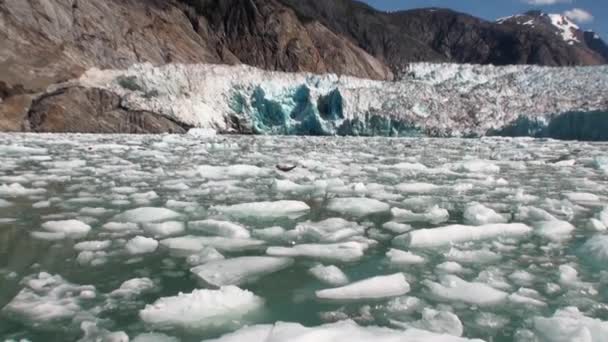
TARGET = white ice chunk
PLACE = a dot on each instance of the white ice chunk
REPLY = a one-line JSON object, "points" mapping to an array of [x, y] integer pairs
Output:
{"points": [[5, 203], [18, 190], [416, 188], [335, 332], [475, 166], [397, 228], [239, 271], [73, 229], [192, 244], [266, 210], [477, 214], [399, 258], [141, 245], [329, 230], [220, 228], [569, 325], [596, 248], [482, 256], [339, 252], [202, 309], [92, 245], [205, 255], [120, 226], [330, 275], [454, 289], [146, 215], [202, 133], [582, 197], [434, 215], [424, 238], [154, 337], [372, 288], [554, 230], [47, 298], [231, 171], [133, 287], [443, 322], [357, 206], [164, 229]]}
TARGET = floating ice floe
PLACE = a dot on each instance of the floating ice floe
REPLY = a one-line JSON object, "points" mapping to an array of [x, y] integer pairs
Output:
{"points": [[57, 230], [330, 275], [239, 271], [338, 252], [232, 171], [553, 230], [220, 228], [582, 197], [357, 206], [340, 331], [93, 245], [329, 230], [424, 238], [164, 229], [450, 267], [266, 210], [400, 258], [596, 248], [5, 203], [416, 188], [396, 227], [481, 256], [202, 309], [120, 226], [154, 337], [48, 298], [475, 166], [569, 325], [141, 245], [442, 322], [133, 288], [434, 215], [147, 215], [18, 190], [454, 289], [190, 244], [203, 256], [373, 288], [476, 214], [202, 132]]}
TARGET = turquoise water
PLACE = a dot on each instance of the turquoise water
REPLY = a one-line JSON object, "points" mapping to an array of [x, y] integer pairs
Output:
{"points": [[112, 172]]}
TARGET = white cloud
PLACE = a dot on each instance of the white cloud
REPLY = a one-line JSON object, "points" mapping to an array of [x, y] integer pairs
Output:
{"points": [[579, 15], [546, 2]]}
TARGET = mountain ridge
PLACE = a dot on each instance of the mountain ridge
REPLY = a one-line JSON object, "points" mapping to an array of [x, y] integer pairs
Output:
{"points": [[48, 42]]}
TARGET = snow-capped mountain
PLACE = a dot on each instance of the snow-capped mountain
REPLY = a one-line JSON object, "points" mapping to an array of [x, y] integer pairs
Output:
{"points": [[587, 44]]}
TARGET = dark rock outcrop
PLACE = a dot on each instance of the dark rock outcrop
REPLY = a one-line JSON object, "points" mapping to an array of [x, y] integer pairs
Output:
{"points": [[92, 110], [52, 41]]}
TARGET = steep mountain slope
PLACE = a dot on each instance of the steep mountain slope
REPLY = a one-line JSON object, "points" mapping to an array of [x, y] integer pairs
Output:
{"points": [[45, 42]]}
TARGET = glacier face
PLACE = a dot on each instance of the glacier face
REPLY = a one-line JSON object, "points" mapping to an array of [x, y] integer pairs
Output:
{"points": [[427, 99]]}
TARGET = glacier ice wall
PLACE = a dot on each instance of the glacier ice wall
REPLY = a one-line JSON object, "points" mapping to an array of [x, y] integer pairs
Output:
{"points": [[428, 99]]}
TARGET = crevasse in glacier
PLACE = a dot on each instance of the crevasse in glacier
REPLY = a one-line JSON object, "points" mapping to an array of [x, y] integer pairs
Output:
{"points": [[429, 99]]}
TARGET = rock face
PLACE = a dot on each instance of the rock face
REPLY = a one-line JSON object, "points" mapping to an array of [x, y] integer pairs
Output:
{"points": [[44, 42], [93, 110]]}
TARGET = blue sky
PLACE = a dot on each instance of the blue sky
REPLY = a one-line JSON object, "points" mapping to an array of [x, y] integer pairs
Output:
{"points": [[493, 9]]}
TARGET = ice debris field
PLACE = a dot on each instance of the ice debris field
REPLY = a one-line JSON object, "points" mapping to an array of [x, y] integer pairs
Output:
{"points": [[184, 238]]}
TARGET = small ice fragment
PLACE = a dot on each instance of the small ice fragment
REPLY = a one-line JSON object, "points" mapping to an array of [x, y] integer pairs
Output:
{"points": [[330, 275], [372, 288], [568, 325], [189, 244], [416, 188], [424, 238], [146, 215], [399, 258], [397, 228], [205, 255], [92, 245], [434, 215], [357, 206], [339, 252], [202, 309], [266, 210], [120, 226], [453, 288], [141, 245], [164, 229], [220, 228], [553, 230], [477, 214], [239, 271], [70, 229], [450, 267]]}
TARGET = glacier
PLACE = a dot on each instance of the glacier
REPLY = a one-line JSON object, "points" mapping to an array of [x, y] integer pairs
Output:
{"points": [[440, 100]]}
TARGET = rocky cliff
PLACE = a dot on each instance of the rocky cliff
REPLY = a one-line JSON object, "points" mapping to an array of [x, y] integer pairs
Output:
{"points": [[45, 42]]}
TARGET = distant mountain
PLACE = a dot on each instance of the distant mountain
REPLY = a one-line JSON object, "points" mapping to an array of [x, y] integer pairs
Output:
{"points": [[43, 43]]}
